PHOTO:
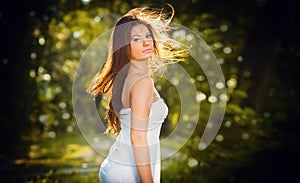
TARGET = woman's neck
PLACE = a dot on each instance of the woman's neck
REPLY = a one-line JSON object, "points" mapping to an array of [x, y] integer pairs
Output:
{"points": [[140, 66]]}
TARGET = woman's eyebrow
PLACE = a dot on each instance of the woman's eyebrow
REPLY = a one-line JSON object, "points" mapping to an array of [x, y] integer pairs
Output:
{"points": [[135, 35], [139, 34]]}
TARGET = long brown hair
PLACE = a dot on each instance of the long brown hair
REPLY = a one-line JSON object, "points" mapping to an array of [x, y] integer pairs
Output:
{"points": [[119, 56]]}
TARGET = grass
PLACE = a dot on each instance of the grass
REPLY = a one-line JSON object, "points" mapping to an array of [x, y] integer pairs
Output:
{"points": [[65, 159]]}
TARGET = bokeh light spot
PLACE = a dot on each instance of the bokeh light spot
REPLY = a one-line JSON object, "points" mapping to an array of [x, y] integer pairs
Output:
{"points": [[202, 146], [240, 58], [62, 105], [247, 74], [36, 32], [78, 34], [227, 123], [84, 165], [32, 73], [224, 97], [97, 18], [33, 56], [200, 97], [43, 118], [192, 162], [5, 61], [46, 77], [70, 129], [65, 115], [212, 99], [227, 50], [219, 138], [220, 60], [85, 2], [245, 136], [200, 78], [41, 41], [32, 13], [220, 85], [223, 28], [267, 114], [231, 83], [51, 134]]}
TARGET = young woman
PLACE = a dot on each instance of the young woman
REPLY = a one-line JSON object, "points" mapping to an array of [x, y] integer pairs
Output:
{"points": [[136, 111]]}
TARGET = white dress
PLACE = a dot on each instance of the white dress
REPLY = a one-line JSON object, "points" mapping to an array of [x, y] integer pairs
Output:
{"points": [[119, 166]]}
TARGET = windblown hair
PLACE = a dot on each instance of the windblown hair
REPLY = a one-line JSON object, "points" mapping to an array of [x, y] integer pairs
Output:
{"points": [[165, 50]]}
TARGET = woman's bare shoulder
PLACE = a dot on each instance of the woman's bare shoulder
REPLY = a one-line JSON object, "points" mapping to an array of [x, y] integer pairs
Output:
{"points": [[144, 82], [141, 96], [135, 78]]}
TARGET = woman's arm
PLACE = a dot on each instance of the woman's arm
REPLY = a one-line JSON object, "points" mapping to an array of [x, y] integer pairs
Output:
{"points": [[140, 102]]}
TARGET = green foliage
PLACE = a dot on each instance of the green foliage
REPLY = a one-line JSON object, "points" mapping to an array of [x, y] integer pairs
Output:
{"points": [[66, 178], [66, 40]]}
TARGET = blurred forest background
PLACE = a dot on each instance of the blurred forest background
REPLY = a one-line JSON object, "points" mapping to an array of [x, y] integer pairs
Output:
{"points": [[257, 45]]}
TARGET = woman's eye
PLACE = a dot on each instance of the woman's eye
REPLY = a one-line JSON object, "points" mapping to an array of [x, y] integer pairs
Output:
{"points": [[149, 36], [136, 39]]}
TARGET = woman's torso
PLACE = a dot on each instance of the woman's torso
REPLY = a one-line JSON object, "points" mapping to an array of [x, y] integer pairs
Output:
{"points": [[120, 154]]}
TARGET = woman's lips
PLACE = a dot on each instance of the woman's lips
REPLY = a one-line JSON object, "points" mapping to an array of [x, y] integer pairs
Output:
{"points": [[147, 51]]}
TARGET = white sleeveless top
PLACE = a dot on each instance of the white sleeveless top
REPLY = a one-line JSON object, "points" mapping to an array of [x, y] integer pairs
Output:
{"points": [[119, 166]]}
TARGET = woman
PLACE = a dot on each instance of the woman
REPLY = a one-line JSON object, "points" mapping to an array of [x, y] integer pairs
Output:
{"points": [[136, 112]]}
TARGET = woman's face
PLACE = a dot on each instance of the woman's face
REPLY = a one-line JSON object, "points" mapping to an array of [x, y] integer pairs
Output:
{"points": [[141, 45]]}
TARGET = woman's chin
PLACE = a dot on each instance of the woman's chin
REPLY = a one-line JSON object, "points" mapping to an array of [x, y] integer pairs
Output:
{"points": [[146, 58]]}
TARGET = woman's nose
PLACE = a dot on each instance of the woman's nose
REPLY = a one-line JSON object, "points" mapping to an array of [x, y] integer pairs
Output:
{"points": [[146, 42]]}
